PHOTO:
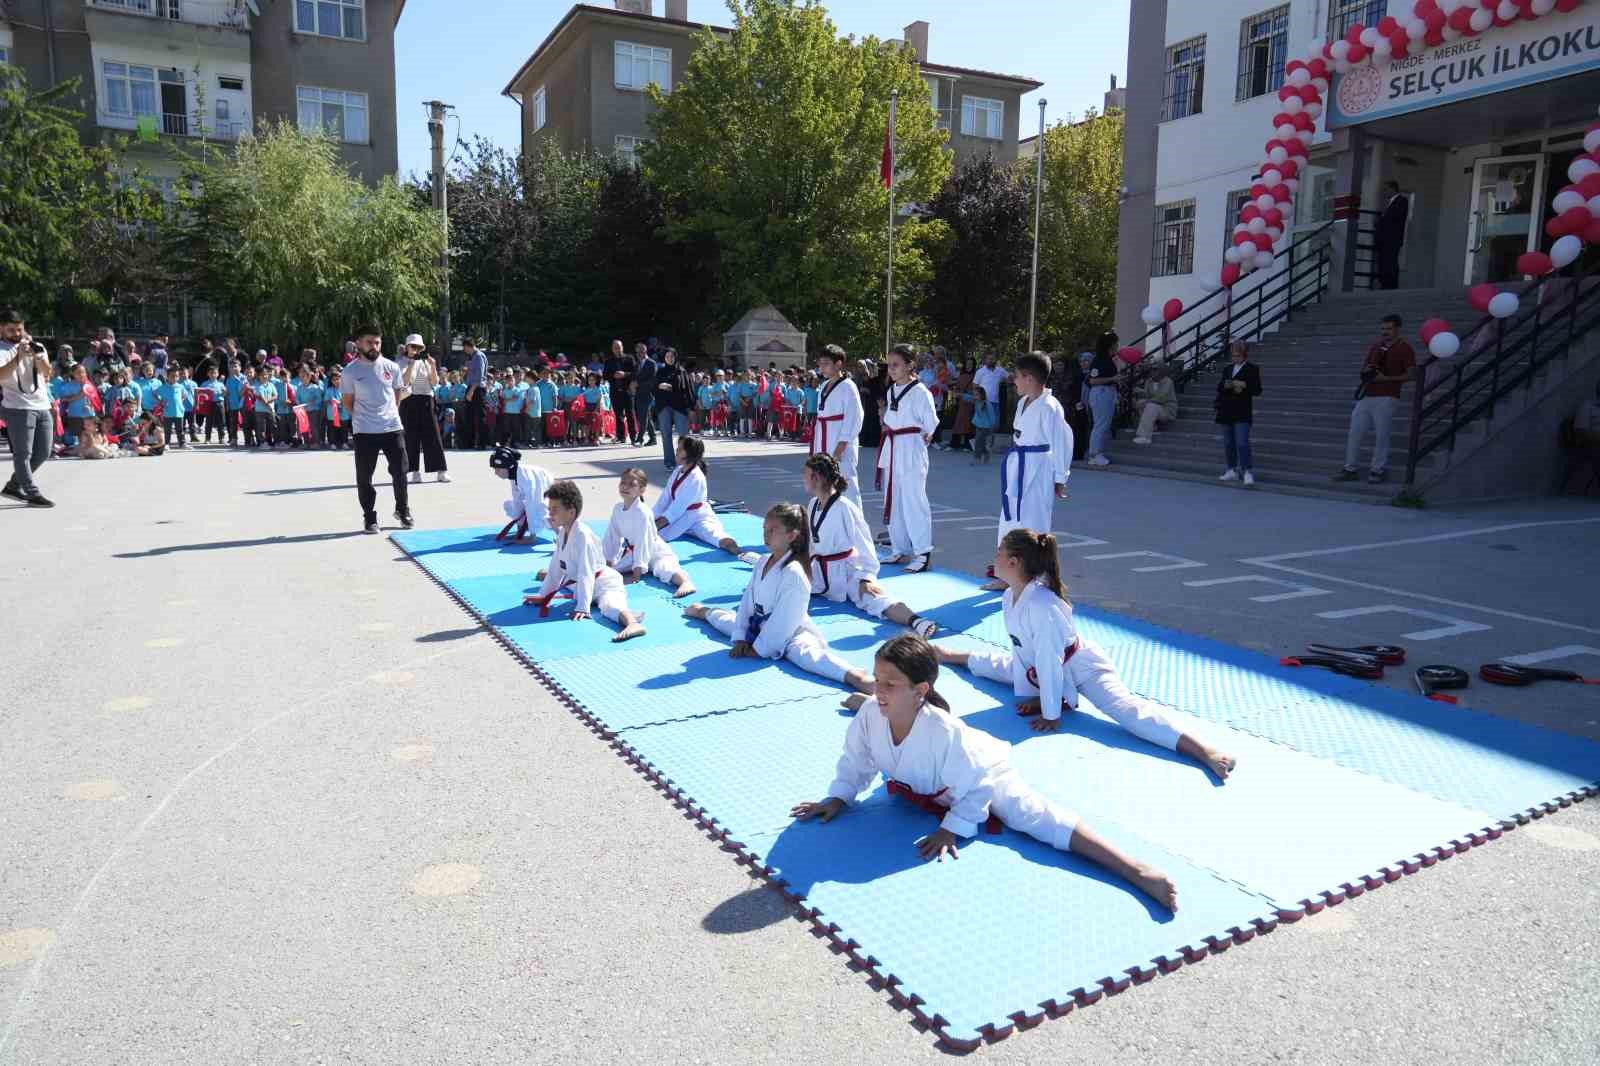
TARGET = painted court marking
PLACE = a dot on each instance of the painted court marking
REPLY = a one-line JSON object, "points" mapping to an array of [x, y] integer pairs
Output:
{"points": [[1177, 562], [1456, 627], [1299, 592], [1566, 651]]}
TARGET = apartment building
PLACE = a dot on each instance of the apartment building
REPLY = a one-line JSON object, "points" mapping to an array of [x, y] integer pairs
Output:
{"points": [[584, 85], [170, 72]]}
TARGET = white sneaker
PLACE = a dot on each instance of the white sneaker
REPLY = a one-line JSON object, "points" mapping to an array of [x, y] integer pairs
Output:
{"points": [[1099, 460], [443, 476], [416, 477], [1249, 479], [1141, 440], [1231, 475]]}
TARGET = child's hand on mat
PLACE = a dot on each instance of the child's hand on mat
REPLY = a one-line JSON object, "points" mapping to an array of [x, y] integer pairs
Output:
{"points": [[870, 587], [937, 843], [1028, 708], [826, 810], [540, 576], [1046, 725], [579, 616], [533, 601], [661, 523], [742, 650], [632, 576]]}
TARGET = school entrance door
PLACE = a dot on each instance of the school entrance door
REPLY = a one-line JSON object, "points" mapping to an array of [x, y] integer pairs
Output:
{"points": [[1507, 204]]}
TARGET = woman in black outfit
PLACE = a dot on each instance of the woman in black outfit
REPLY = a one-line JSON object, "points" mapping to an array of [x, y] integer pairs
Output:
{"points": [[874, 389], [674, 400], [1236, 393]]}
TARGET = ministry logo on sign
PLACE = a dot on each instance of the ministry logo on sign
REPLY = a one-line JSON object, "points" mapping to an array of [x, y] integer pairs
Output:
{"points": [[1360, 90]]}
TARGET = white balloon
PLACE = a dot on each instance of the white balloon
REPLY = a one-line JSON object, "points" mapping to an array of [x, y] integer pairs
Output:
{"points": [[1444, 345], [1504, 305], [1369, 36], [1321, 85], [1301, 76], [1383, 50], [1293, 105], [1263, 260], [1257, 225], [1275, 232], [1271, 179], [1449, 6], [1416, 29], [1243, 227], [1247, 264], [1264, 201], [1340, 50], [1566, 250], [1231, 254], [1285, 131], [1279, 154], [1581, 168], [1211, 285], [1292, 184], [1450, 33], [1151, 316], [1315, 111], [1591, 141], [1482, 19], [1541, 8], [1594, 206], [1566, 200], [1507, 10]]}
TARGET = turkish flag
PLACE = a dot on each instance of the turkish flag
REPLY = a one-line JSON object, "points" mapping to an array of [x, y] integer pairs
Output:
{"points": [[886, 169]]}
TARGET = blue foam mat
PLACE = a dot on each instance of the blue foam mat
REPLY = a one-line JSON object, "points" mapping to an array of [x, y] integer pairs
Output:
{"points": [[1338, 779]]}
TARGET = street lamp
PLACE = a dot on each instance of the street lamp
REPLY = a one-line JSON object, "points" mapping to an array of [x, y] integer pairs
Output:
{"points": [[1038, 197]]}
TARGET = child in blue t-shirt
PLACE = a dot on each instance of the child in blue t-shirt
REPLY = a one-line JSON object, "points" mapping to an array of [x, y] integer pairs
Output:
{"points": [[983, 423], [174, 400], [235, 385], [744, 393], [191, 390], [764, 409], [335, 419], [283, 411], [513, 394], [549, 395], [533, 412], [310, 396], [265, 391]]}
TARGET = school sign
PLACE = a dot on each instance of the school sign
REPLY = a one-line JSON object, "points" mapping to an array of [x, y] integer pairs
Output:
{"points": [[1520, 54]]}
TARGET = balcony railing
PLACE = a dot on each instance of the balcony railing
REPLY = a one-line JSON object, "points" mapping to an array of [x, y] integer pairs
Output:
{"points": [[231, 14], [174, 125]]}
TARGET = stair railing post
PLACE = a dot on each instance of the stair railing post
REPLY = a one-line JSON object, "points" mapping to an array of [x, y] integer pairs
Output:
{"points": [[1414, 434], [1494, 371]]}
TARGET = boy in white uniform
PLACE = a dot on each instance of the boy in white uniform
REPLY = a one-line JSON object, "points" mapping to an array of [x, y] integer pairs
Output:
{"points": [[943, 766], [1049, 664], [1033, 474], [579, 568], [684, 506], [772, 621], [837, 429], [909, 422], [526, 507], [633, 546]]}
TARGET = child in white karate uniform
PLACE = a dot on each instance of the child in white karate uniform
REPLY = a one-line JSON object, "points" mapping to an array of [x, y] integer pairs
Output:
{"points": [[684, 507], [930, 757], [526, 507], [579, 568], [1049, 664], [910, 420], [837, 428], [772, 621], [844, 563], [1033, 474], [633, 546]]}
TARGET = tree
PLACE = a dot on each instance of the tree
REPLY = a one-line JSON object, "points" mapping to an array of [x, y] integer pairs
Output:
{"points": [[770, 147], [1078, 231], [64, 229], [276, 230], [978, 294], [494, 228]]}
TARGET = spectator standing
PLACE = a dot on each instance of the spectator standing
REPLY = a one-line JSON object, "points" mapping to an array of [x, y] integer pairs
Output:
{"points": [[644, 395], [469, 424], [419, 374], [1158, 402], [674, 397], [1388, 367], [1102, 398], [158, 355], [1391, 235], [991, 377], [30, 424], [368, 390], [617, 372], [965, 405], [1236, 393]]}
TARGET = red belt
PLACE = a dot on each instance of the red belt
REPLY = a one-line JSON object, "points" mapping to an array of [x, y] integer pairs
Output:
{"points": [[877, 478], [694, 507], [930, 803], [544, 604], [1071, 650], [825, 560], [822, 426]]}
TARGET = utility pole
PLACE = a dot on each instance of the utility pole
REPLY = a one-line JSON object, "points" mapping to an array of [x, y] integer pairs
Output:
{"points": [[441, 201], [888, 290], [1038, 199]]}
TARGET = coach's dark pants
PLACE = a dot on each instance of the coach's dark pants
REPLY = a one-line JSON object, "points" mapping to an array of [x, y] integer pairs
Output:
{"points": [[422, 433], [367, 446], [472, 431]]}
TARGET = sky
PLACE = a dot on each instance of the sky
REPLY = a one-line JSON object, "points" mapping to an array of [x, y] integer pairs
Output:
{"points": [[464, 51]]}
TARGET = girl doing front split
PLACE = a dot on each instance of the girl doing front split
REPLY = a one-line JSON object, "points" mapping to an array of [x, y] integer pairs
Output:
{"points": [[1033, 474], [633, 546], [579, 568], [684, 508], [909, 422], [929, 756], [1049, 664], [844, 563], [838, 424], [772, 622]]}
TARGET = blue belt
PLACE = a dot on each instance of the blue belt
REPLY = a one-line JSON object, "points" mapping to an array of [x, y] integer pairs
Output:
{"points": [[1021, 451], [753, 629]]}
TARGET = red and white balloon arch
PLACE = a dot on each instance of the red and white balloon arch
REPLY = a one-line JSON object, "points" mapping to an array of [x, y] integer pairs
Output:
{"points": [[1265, 218]]}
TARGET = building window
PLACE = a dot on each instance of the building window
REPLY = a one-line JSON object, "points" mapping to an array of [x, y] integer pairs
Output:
{"points": [[940, 98], [130, 90], [1174, 243], [1237, 199], [341, 115], [331, 18], [639, 65], [627, 149], [1186, 79], [982, 118], [5, 54], [1342, 14], [1263, 49], [538, 110]]}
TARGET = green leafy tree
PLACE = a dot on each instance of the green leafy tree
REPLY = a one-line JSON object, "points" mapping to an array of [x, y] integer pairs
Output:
{"points": [[277, 231], [1078, 230], [495, 226], [770, 147], [977, 296]]}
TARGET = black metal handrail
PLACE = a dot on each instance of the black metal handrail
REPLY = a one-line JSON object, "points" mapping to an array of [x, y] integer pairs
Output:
{"points": [[1193, 346], [1500, 355]]}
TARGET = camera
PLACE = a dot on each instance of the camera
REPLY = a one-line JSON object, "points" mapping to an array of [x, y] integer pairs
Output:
{"points": [[1369, 373]]}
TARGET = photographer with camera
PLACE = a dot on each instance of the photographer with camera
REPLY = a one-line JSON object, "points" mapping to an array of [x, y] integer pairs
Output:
{"points": [[1387, 368], [30, 424]]}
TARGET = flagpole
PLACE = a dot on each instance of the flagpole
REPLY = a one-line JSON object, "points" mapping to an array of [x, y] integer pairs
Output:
{"points": [[888, 314], [1038, 197]]}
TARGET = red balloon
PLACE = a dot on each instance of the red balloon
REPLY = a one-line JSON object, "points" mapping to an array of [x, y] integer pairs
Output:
{"points": [[1555, 228], [1230, 274], [1309, 94], [1591, 232], [1432, 326], [1536, 264], [1399, 44], [1259, 190], [1242, 239], [1272, 217], [1171, 309], [1287, 91], [1129, 355], [1296, 147], [1461, 21], [1282, 194], [1433, 39], [1274, 143], [1262, 242], [1292, 66], [1422, 7], [1480, 295], [1304, 122], [1289, 169], [1567, 5], [1251, 211], [1318, 68], [1282, 118], [1357, 53], [1574, 219], [1437, 20], [1387, 25], [1590, 186], [1353, 34]]}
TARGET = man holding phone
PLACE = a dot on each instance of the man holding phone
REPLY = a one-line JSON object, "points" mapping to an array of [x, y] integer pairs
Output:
{"points": [[1388, 367], [30, 424]]}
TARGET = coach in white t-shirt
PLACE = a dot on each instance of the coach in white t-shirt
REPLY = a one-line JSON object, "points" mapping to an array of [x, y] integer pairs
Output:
{"points": [[25, 382], [990, 377], [368, 391]]}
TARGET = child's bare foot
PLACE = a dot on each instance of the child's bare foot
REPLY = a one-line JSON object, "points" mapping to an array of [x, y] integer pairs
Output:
{"points": [[1157, 885], [728, 545], [860, 681], [855, 701], [945, 656], [1220, 762], [685, 589], [695, 610], [634, 629], [994, 586], [898, 560]]}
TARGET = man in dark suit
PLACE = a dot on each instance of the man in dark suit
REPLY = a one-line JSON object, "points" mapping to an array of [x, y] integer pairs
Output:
{"points": [[1391, 235]]}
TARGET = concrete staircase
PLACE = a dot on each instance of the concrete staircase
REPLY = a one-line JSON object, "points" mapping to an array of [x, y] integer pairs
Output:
{"points": [[1309, 372]]}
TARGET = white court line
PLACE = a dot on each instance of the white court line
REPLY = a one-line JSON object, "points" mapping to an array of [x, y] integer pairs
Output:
{"points": [[1563, 652], [1178, 561], [1074, 540], [1508, 527], [1300, 592], [1456, 628]]}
